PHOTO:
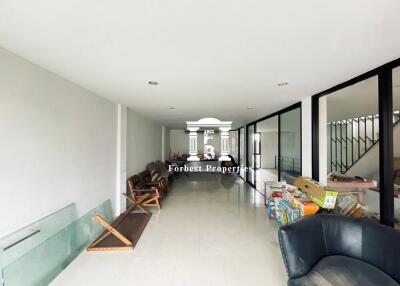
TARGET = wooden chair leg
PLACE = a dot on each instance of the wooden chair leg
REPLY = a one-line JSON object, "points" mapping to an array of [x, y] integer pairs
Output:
{"points": [[158, 204], [110, 230], [136, 204], [153, 202]]}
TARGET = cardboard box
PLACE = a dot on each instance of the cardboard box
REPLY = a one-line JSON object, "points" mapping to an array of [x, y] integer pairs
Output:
{"points": [[325, 198], [300, 201]]}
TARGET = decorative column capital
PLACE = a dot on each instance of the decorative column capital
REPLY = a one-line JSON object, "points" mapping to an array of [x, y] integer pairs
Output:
{"points": [[193, 131]]}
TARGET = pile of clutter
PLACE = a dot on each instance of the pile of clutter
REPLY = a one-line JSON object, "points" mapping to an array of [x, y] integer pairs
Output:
{"points": [[287, 203]]}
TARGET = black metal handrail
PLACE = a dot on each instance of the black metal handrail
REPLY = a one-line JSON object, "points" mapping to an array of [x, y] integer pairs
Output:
{"points": [[289, 164], [346, 149]]}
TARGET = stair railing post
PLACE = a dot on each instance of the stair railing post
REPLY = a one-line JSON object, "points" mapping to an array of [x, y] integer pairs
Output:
{"points": [[359, 137], [373, 129], [352, 141], [336, 147], [365, 134], [331, 144], [346, 144], [341, 148]]}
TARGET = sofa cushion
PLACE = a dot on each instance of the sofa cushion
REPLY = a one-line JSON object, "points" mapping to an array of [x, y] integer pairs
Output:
{"points": [[340, 270]]}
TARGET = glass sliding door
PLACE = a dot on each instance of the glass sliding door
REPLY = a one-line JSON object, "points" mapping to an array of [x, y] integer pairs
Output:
{"points": [[290, 145], [234, 144], [242, 152], [251, 157], [352, 139], [267, 165]]}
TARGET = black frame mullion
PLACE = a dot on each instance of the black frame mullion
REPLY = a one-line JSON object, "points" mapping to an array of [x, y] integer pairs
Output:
{"points": [[279, 147], [386, 187], [254, 156], [385, 95], [277, 113], [315, 137]]}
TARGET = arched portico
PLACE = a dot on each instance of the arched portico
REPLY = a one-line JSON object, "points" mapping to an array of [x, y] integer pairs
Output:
{"points": [[204, 124]]}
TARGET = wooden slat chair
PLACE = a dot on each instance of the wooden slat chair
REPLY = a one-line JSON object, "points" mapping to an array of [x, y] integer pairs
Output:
{"points": [[164, 173], [142, 194], [157, 180], [122, 234], [136, 202], [111, 229]]}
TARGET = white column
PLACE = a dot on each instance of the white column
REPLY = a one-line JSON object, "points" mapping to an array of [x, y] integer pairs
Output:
{"points": [[323, 143], [163, 135], [120, 201], [193, 144], [224, 144], [306, 157]]}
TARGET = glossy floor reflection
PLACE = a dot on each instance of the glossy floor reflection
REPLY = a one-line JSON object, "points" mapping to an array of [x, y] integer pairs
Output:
{"points": [[212, 230]]}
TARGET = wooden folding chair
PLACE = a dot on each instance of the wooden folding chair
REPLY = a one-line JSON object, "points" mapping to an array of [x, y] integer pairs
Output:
{"points": [[143, 196], [136, 202], [111, 229]]}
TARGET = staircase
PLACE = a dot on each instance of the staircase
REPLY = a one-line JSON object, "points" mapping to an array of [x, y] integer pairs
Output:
{"points": [[349, 140]]}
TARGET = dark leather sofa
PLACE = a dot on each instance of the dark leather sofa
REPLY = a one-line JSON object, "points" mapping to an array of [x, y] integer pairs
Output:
{"points": [[331, 250]]}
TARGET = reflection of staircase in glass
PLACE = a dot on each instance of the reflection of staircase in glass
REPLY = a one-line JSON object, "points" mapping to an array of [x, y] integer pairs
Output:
{"points": [[351, 139]]}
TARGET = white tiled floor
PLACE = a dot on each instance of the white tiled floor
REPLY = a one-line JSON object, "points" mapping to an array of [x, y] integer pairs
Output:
{"points": [[212, 230]]}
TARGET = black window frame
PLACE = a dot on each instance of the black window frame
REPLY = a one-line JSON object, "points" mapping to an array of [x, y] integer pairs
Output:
{"points": [[386, 144], [277, 113]]}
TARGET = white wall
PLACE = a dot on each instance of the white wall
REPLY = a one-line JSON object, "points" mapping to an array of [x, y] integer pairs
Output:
{"points": [[306, 146], [269, 149], [166, 144], [368, 166], [144, 139], [179, 141], [58, 144]]}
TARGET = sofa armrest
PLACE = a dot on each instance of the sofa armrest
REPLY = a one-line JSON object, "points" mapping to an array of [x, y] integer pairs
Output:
{"points": [[302, 244]]}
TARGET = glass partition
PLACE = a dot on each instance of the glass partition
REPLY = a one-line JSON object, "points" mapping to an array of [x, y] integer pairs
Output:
{"points": [[242, 152], [23, 240], [251, 158], [267, 167], [352, 150], [42, 263], [234, 144], [290, 145]]}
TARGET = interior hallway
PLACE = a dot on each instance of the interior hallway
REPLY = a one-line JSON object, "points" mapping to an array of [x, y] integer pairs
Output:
{"points": [[212, 230]]}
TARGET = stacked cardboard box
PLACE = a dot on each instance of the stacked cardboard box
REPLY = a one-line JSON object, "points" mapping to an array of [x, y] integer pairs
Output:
{"points": [[323, 197], [300, 201], [306, 198]]}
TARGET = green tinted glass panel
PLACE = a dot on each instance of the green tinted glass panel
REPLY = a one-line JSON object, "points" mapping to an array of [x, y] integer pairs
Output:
{"points": [[44, 262], [25, 239]]}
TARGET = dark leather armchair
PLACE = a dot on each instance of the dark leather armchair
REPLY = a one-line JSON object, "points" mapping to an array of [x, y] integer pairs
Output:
{"points": [[330, 250]]}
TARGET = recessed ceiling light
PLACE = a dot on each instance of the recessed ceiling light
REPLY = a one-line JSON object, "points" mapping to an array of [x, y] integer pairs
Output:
{"points": [[152, 82], [171, 107], [283, 83]]}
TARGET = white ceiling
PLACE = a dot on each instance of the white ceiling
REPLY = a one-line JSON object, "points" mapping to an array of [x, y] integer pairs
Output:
{"points": [[360, 99], [211, 58]]}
